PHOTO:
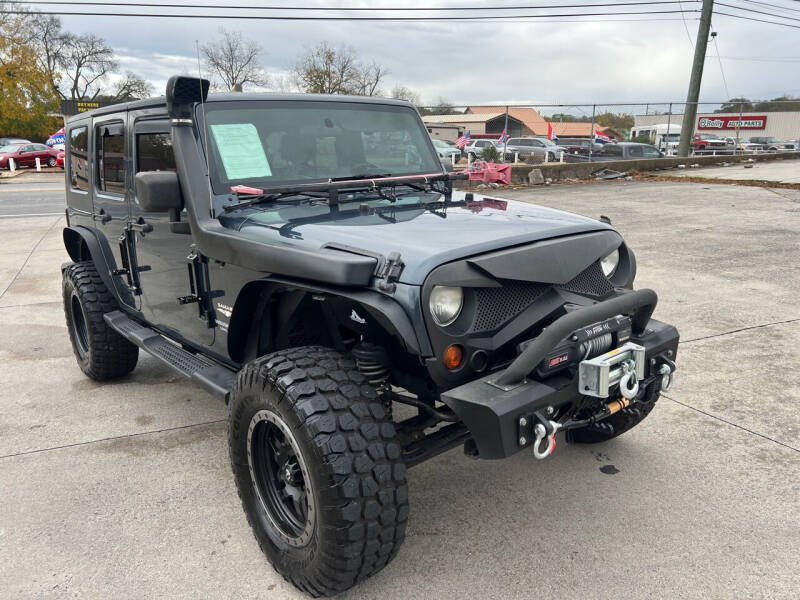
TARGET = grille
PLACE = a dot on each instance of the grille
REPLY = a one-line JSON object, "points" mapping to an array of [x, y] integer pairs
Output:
{"points": [[495, 306], [590, 281]]}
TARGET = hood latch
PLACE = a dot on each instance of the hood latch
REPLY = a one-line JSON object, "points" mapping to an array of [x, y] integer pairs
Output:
{"points": [[390, 272]]}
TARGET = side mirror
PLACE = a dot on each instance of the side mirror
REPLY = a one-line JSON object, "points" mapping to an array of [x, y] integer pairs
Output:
{"points": [[158, 191]]}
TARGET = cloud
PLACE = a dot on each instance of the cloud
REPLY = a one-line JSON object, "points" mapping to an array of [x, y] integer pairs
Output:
{"points": [[539, 62]]}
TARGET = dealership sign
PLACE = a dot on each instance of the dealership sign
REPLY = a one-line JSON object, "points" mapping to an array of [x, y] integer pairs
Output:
{"points": [[746, 122]]}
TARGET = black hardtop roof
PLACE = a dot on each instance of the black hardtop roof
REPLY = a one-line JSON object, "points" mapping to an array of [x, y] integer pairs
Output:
{"points": [[239, 97]]}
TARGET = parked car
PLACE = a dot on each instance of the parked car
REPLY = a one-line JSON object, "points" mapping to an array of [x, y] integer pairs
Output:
{"points": [[709, 141], [533, 147], [60, 159], [12, 141], [475, 147], [321, 296], [26, 155], [620, 151], [445, 150], [772, 144], [579, 145]]}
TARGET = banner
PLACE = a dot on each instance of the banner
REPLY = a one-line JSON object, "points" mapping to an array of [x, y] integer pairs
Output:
{"points": [[747, 122]]}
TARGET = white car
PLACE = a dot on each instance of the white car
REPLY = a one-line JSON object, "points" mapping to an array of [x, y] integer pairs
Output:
{"points": [[475, 147]]}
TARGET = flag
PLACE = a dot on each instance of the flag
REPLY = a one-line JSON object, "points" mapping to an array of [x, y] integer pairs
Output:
{"points": [[600, 137], [503, 138], [57, 140], [550, 134], [463, 140]]}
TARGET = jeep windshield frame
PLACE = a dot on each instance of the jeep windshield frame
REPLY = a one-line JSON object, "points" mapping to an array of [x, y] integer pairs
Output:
{"points": [[305, 144]]}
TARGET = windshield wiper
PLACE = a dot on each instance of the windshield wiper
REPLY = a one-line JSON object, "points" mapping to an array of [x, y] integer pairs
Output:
{"points": [[360, 177], [261, 198]]}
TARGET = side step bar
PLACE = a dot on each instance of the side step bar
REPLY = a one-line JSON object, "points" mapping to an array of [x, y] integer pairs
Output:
{"points": [[213, 377]]}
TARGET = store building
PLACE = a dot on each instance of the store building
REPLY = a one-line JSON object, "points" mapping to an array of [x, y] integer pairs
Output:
{"points": [[782, 125]]}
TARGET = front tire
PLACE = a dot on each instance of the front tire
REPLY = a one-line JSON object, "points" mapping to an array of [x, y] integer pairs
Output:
{"points": [[52, 162], [101, 352], [318, 468]]}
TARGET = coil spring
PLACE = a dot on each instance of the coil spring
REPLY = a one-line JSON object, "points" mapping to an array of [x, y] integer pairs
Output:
{"points": [[376, 373], [596, 346]]}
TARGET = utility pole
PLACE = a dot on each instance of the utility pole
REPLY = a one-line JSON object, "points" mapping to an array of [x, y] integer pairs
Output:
{"points": [[690, 113]]}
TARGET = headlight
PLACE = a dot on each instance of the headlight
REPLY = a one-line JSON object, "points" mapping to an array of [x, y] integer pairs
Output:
{"points": [[445, 304], [609, 263]]}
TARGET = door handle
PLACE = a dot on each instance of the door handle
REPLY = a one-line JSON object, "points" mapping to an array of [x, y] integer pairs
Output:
{"points": [[104, 216]]}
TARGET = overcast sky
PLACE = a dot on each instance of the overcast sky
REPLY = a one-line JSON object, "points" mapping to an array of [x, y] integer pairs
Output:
{"points": [[496, 62]]}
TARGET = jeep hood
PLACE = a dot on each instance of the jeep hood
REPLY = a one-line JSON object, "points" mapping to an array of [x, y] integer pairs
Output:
{"points": [[425, 229]]}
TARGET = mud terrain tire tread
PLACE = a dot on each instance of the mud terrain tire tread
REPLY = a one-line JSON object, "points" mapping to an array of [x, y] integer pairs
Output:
{"points": [[353, 458], [109, 354]]}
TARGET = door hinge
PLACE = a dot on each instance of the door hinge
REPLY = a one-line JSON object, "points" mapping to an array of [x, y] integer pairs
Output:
{"points": [[199, 288], [130, 265], [390, 272]]}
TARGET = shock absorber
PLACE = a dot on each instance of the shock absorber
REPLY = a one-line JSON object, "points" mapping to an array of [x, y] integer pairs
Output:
{"points": [[373, 363]]}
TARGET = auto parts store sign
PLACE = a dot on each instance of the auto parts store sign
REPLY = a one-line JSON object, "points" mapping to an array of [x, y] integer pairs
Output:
{"points": [[746, 122]]}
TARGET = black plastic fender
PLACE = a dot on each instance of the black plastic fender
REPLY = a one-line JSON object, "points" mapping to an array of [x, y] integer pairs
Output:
{"points": [[79, 239]]}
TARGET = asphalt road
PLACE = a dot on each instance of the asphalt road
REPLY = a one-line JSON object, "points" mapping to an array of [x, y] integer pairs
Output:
{"points": [[123, 489], [32, 195]]}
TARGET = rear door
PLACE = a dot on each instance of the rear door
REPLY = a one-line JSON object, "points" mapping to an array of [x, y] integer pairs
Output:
{"points": [[27, 155], [111, 210]]}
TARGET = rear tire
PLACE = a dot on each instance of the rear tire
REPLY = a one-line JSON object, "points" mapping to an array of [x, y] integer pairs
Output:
{"points": [[101, 352], [318, 468], [622, 421]]}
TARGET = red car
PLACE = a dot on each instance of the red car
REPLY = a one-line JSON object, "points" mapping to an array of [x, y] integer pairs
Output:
{"points": [[60, 159], [25, 155]]}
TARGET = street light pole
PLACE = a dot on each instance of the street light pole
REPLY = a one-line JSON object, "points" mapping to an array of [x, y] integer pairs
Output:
{"points": [[690, 114]]}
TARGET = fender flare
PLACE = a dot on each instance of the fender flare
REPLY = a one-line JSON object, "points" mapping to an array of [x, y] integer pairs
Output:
{"points": [[386, 311], [80, 240]]}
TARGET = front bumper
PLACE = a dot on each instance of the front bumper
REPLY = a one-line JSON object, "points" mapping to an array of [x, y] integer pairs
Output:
{"points": [[491, 406]]}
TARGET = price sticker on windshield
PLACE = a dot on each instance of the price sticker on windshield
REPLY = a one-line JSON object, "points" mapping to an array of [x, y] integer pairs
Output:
{"points": [[241, 151]]}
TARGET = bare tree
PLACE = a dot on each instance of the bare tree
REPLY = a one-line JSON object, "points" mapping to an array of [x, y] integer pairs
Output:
{"points": [[132, 87], [368, 79], [85, 61], [234, 61], [327, 70], [401, 92]]}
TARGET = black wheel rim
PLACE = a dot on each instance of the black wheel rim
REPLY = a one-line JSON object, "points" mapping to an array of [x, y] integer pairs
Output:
{"points": [[280, 478], [79, 326]]}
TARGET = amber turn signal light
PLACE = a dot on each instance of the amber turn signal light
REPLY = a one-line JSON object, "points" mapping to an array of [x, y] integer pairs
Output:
{"points": [[453, 356]]}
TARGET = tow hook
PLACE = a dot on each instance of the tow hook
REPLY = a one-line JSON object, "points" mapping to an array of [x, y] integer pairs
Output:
{"points": [[546, 429], [667, 372], [629, 384]]}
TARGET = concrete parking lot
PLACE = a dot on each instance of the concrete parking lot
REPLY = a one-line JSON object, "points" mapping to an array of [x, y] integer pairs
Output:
{"points": [[124, 490]]}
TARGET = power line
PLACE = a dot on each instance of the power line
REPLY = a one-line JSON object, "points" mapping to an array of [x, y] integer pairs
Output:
{"points": [[485, 18], [760, 12], [345, 8], [686, 27], [778, 6], [757, 20], [721, 70]]}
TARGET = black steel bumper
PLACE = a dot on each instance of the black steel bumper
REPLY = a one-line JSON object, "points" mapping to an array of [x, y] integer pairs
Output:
{"points": [[490, 407]]}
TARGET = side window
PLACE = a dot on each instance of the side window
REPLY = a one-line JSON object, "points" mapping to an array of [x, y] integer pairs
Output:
{"points": [[651, 152], [537, 143], [611, 150], [79, 158], [28, 148], [110, 146], [636, 151], [154, 152]]}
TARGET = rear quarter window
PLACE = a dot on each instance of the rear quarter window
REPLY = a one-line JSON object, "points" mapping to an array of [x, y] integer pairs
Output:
{"points": [[79, 158]]}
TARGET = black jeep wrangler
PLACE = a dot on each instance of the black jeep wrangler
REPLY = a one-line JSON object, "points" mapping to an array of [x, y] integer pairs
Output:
{"points": [[307, 260]]}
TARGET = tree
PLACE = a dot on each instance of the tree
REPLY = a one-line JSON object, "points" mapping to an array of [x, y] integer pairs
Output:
{"points": [[234, 61], [132, 87], [327, 70], [401, 92], [735, 105], [621, 122], [85, 62], [25, 97]]}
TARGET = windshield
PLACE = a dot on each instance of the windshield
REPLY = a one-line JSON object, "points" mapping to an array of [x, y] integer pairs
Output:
{"points": [[442, 144], [276, 143], [8, 149], [671, 137], [547, 142]]}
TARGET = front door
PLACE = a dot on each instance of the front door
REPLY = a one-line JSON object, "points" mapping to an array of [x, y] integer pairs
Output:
{"points": [[163, 249]]}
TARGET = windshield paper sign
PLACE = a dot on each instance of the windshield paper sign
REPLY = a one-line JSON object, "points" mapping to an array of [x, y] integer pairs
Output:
{"points": [[241, 151], [746, 122]]}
